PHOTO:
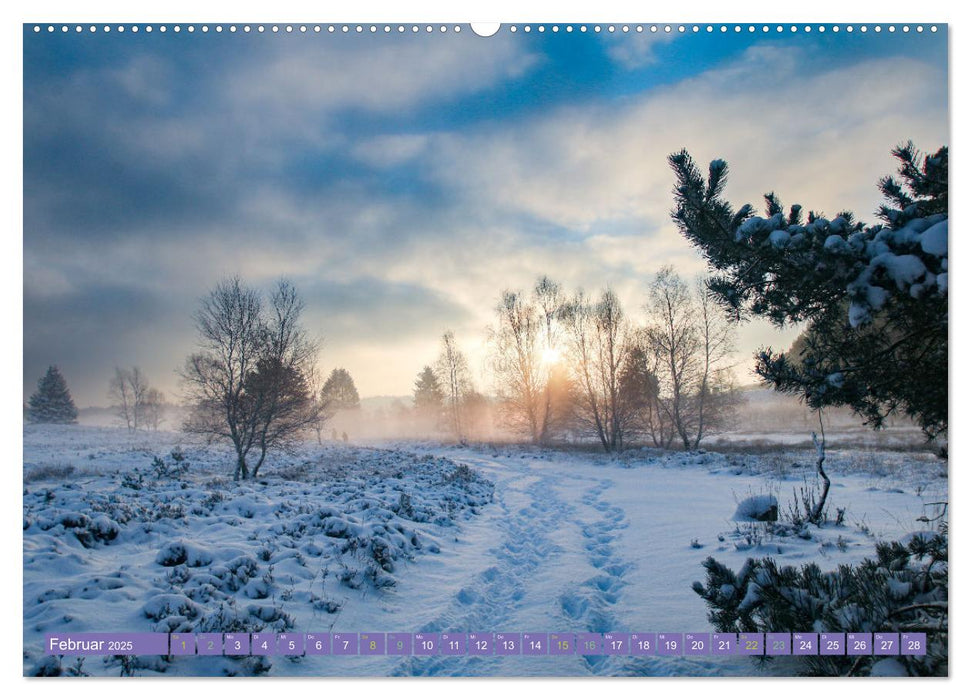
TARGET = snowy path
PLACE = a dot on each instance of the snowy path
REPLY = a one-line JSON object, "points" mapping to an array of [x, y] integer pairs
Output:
{"points": [[546, 557]]}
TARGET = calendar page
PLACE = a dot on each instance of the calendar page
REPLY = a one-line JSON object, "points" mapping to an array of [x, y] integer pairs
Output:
{"points": [[526, 349]]}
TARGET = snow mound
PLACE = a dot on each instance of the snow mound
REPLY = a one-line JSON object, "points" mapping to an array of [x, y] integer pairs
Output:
{"points": [[934, 240], [181, 552], [760, 508]]}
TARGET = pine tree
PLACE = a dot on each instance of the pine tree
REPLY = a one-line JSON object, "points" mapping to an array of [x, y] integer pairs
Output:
{"points": [[52, 402], [874, 297], [428, 392], [903, 588], [339, 392]]}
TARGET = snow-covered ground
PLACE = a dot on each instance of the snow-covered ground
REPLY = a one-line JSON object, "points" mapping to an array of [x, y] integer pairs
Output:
{"points": [[409, 537]]}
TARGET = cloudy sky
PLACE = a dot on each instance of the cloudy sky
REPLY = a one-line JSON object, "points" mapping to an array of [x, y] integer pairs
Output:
{"points": [[402, 181]]}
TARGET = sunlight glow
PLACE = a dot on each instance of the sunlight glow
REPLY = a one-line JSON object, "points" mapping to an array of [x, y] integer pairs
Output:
{"points": [[550, 357]]}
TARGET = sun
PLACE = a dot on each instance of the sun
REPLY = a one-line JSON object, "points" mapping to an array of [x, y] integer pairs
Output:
{"points": [[550, 356]]}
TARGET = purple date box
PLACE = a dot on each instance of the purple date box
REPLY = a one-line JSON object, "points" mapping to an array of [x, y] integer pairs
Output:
{"points": [[209, 644], [565, 643], [832, 644], [263, 644], [317, 644], [617, 643], [509, 644], [697, 644], [236, 644], [913, 643], [751, 643], [480, 644], [778, 644], [886, 643], [724, 643], [587, 643], [289, 644], [670, 643], [859, 644], [344, 643], [535, 643], [805, 643], [426, 644], [182, 644], [372, 643], [399, 643], [453, 643], [643, 644]]}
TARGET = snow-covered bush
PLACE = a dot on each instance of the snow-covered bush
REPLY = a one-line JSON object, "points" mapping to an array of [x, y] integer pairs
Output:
{"points": [[759, 508], [177, 466], [904, 589]]}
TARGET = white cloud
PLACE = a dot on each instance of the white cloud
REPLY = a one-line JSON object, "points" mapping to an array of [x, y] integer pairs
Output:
{"points": [[396, 74], [636, 50], [820, 139], [391, 151]]}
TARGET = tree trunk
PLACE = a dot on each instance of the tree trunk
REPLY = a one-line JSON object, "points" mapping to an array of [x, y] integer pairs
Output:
{"points": [[259, 462], [242, 471], [817, 515]]}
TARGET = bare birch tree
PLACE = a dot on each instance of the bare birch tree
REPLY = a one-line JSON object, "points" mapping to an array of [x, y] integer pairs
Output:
{"points": [[596, 335], [516, 358], [691, 341], [248, 384], [153, 411], [129, 389], [452, 370], [556, 392], [119, 392]]}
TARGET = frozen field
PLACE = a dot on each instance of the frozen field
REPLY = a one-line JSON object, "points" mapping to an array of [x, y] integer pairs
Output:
{"points": [[416, 537]]}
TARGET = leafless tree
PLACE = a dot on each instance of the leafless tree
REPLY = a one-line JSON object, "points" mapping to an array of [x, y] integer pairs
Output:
{"points": [[323, 410], [555, 407], [119, 391], [452, 370], [516, 356], [596, 335], [525, 360], [690, 341], [281, 381], [153, 411], [248, 384], [129, 388], [716, 397]]}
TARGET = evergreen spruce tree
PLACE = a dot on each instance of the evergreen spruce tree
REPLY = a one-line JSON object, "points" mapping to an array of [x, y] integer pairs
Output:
{"points": [[339, 392], [874, 297], [428, 392], [52, 402]]}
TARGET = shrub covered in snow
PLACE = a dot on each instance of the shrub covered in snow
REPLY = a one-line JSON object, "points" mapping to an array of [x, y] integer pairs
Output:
{"points": [[760, 508], [213, 555], [903, 589]]}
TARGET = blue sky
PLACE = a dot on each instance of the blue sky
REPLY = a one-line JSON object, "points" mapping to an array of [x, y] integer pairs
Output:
{"points": [[402, 181]]}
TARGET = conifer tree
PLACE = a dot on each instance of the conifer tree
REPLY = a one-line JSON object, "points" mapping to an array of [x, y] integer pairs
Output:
{"points": [[52, 402], [874, 297], [428, 392], [339, 392]]}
